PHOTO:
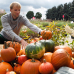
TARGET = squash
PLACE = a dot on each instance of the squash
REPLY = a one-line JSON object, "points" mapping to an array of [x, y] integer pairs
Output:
{"points": [[8, 54], [67, 48], [47, 56], [31, 66], [17, 68], [60, 58], [46, 34], [4, 66], [71, 65], [48, 44], [45, 67], [34, 50], [14, 45]]}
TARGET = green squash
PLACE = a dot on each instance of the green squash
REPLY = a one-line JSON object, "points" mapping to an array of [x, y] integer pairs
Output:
{"points": [[48, 44], [35, 50]]}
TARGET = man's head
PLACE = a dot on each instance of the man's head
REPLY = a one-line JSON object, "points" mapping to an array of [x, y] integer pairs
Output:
{"points": [[15, 9]]}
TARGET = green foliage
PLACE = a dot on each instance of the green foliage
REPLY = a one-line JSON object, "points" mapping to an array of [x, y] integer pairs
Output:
{"points": [[30, 14], [38, 15]]}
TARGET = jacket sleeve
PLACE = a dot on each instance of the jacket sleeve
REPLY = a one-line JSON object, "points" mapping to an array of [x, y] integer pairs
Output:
{"points": [[31, 26], [8, 30]]}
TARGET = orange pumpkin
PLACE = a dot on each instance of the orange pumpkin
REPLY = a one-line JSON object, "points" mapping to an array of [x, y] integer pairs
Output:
{"points": [[31, 66], [73, 54], [46, 34], [21, 52], [17, 68], [60, 58], [68, 49], [8, 54], [47, 56], [15, 45], [45, 67], [1, 59], [71, 65], [10, 72], [4, 66]]}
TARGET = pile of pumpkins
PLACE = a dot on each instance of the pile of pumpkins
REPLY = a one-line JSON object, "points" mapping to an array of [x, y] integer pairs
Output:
{"points": [[40, 56]]}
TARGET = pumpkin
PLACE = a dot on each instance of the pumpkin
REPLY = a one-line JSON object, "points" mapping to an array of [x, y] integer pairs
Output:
{"points": [[10, 72], [45, 67], [35, 50], [15, 45], [48, 44], [60, 58], [46, 34], [8, 54], [1, 59], [73, 54], [67, 48], [71, 65], [4, 66], [17, 68], [21, 52], [31, 66], [47, 56]]}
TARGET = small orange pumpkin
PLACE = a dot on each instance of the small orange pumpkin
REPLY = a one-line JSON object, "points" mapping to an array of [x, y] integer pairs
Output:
{"points": [[47, 56], [46, 34], [17, 68], [31, 66], [45, 67], [21, 52], [71, 65]]}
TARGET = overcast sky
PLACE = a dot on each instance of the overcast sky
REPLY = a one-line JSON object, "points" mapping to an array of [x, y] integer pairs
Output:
{"points": [[33, 5]]}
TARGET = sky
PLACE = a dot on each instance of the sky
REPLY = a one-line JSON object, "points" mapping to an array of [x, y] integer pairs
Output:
{"points": [[33, 5]]}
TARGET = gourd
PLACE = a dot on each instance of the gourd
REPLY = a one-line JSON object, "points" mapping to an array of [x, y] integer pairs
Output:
{"points": [[47, 56], [48, 44], [46, 34], [35, 50], [45, 67], [8, 54], [60, 58], [17, 68], [67, 48], [4, 66], [31, 66]]}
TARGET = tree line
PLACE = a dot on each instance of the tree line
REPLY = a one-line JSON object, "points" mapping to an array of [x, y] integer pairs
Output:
{"points": [[66, 9]]}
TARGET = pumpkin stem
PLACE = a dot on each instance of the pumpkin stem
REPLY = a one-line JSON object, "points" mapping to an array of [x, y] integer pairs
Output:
{"points": [[32, 60], [13, 39], [15, 64], [5, 44], [44, 60]]}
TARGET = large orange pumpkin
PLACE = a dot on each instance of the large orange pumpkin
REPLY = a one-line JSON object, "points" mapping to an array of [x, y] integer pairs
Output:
{"points": [[8, 54], [67, 48], [46, 34], [60, 58], [47, 56], [4, 66], [31, 66]]}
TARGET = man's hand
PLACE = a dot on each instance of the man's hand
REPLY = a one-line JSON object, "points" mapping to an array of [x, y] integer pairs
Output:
{"points": [[23, 43], [46, 34]]}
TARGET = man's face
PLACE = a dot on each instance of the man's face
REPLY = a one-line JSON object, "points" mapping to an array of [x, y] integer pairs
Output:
{"points": [[15, 11]]}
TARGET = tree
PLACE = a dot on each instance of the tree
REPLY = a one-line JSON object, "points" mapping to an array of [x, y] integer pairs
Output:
{"points": [[38, 15], [30, 14]]}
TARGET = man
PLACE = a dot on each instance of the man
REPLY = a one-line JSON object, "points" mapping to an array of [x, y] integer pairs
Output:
{"points": [[12, 24]]}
